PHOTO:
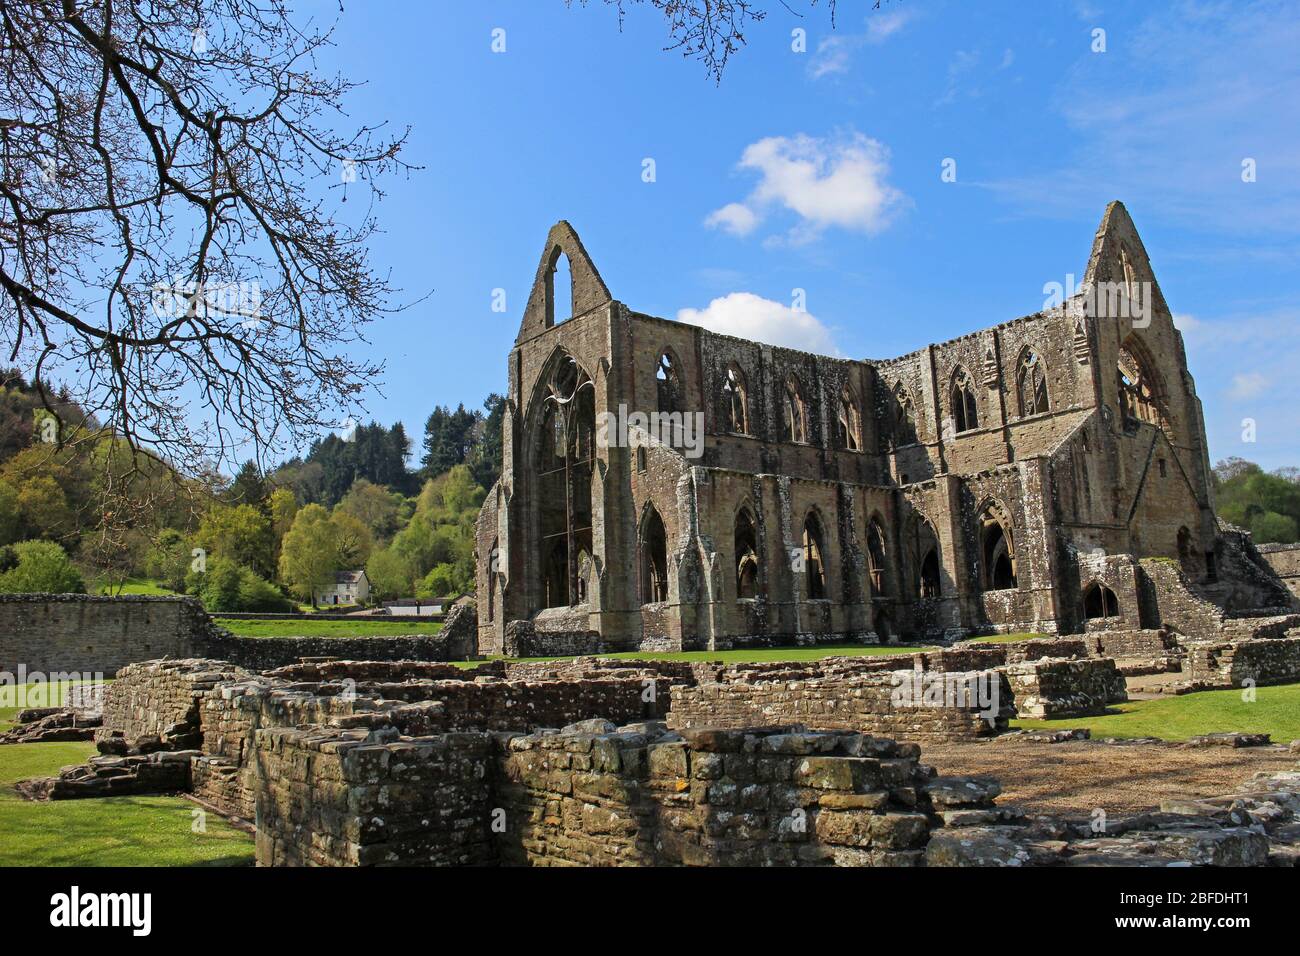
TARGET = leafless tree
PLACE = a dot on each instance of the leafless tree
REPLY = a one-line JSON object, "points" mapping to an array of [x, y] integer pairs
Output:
{"points": [[711, 30], [170, 230]]}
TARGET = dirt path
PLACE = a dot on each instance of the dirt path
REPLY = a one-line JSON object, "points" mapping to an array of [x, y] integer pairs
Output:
{"points": [[1075, 778]]}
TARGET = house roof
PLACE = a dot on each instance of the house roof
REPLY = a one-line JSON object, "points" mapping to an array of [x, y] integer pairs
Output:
{"points": [[348, 577]]}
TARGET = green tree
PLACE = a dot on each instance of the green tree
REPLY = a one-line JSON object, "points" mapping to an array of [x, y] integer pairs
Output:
{"points": [[375, 506], [1269, 527], [241, 533], [10, 516], [309, 553], [41, 567], [391, 575]]}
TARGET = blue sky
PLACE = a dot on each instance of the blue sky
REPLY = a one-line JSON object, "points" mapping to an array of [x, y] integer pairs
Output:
{"points": [[821, 171]]}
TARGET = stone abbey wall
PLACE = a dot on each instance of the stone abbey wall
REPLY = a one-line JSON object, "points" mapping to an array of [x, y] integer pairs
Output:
{"points": [[865, 704], [54, 633], [65, 633], [595, 796]]}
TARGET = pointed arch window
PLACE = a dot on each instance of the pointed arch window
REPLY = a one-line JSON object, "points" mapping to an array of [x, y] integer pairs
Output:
{"points": [[559, 289], [746, 552], [929, 586], [814, 565], [735, 399], [1031, 384], [1139, 391], [1099, 601], [848, 425], [876, 557], [998, 567], [654, 559], [904, 417], [965, 411], [794, 413], [668, 382], [565, 456]]}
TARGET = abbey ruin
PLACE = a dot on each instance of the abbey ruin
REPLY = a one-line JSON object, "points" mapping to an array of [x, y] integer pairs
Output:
{"points": [[1046, 480], [1037, 476]]}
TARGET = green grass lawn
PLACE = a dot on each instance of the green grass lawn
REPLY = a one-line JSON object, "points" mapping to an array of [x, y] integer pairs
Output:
{"points": [[306, 627], [1275, 711], [113, 831], [746, 655], [1000, 639], [10, 702], [137, 586]]}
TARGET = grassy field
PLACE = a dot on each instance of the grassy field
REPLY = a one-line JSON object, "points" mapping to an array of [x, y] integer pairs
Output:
{"points": [[136, 586], [10, 700], [114, 831], [746, 655], [1001, 639], [1276, 711], [306, 627]]}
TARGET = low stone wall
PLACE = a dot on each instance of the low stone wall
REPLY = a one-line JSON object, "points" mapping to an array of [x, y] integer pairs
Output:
{"points": [[1285, 560], [1047, 689], [330, 797], [267, 653], [1230, 664], [863, 703], [590, 796], [53, 633], [162, 698]]}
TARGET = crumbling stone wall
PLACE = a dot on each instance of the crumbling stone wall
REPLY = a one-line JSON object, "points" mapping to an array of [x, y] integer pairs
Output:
{"points": [[1057, 688], [1285, 560], [863, 704], [162, 698], [1230, 664], [265, 653], [596, 795], [330, 797]]}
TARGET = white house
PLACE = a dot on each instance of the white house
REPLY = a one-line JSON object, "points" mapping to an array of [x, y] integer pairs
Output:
{"points": [[350, 587]]}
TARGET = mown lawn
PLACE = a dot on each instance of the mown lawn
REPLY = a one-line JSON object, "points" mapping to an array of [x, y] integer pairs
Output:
{"points": [[114, 831], [137, 586], [306, 627], [1000, 639], [747, 655], [1275, 711]]}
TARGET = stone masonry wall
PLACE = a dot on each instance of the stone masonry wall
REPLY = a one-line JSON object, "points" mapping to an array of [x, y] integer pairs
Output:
{"points": [[330, 797], [90, 634], [1048, 689], [863, 704], [162, 698], [595, 796], [1229, 664]]}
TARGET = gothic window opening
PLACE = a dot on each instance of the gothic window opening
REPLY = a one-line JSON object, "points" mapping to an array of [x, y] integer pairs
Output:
{"points": [[584, 576], [904, 417], [965, 411], [929, 579], [998, 567], [735, 400], [746, 552], [654, 559], [876, 558], [559, 289], [1031, 384], [794, 413], [565, 461], [1139, 392], [848, 426], [493, 557], [813, 565], [668, 382], [1099, 601]]}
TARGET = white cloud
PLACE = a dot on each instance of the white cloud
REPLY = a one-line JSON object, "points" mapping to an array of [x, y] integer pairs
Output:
{"points": [[1248, 385], [834, 54], [736, 218], [826, 183], [752, 317]]}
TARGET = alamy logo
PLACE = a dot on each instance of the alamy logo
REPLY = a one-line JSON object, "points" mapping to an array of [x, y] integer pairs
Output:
{"points": [[75, 909], [624, 429]]}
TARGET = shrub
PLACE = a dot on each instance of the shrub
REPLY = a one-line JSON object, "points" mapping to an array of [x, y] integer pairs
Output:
{"points": [[41, 567]]}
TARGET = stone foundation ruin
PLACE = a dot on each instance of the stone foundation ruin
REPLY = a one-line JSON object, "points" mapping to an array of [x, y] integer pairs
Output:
{"points": [[594, 761]]}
